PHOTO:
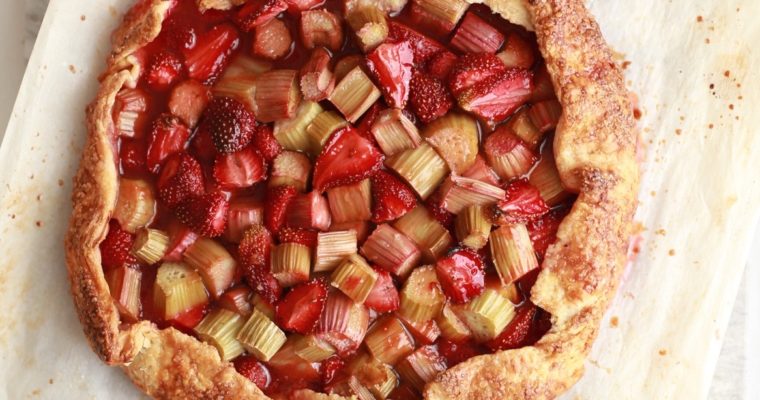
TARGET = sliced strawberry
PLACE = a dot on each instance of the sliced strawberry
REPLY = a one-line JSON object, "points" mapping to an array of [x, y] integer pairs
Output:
{"points": [[475, 35], [206, 214], [305, 237], [265, 142], [180, 178], [422, 46], [115, 248], [368, 119], [497, 97], [543, 88], [277, 201], [461, 274], [251, 368], [168, 136], [261, 280], [254, 247], [543, 231], [188, 100], [514, 335], [391, 65], [321, 28], [330, 369], [164, 70], [132, 157], [187, 320], [441, 64], [202, 144], [211, 53], [259, 12], [272, 40], [230, 124], [178, 34], [456, 352], [240, 169], [391, 197], [384, 296], [180, 238], [429, 98], [346, 158], [434, 204], [302, 306], [523, 203], [471, 69]]}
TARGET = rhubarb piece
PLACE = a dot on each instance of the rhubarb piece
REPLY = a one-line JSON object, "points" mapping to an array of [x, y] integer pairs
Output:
{"points": [[421, 367], [522, 203], [374, 375], [244, 213], [429, 98], [290, 367], [291, 133], [391, 197], [386, 6], [263, 306], [260, 336], [135, 204], [360, 227], [309, 211], [266, 144], [508, 155], [388, 340], [517, 52], [426, 232], [395, 132], [301, 307], [255, 371], [497, 97], [150, 245], [424, 47], [510, 291], [290, 168], [180, 238], [177, 289], [452, 327], [213, 262], [124, 283], [206, 215], [208, 58], [313, 349], [369, 25], [475, 35], [487, 314], [458, 193], [290, 263], [258, 12], [237, 300], [239, 87], [354, 277], [543, 231], [350, 202], [278, 200], [332, 248], [322, 127], [391, 65], [317, 80], [543, 86], [181, 177], [343, 323], [240, 169], [440, 15], [517, 332], [115, 249], [545, 178], [321, 28], [473, 227], [522, 126], [455, 137], [390, 250], [255, 246], [421, 296], [350, 387], [219, 329], [461, 275], [346, 65], [243, 65], [272, 40], [383, 297], [422, 168], [130, 108], [277, 95], [424, 332], [482, 172], [230, 123], [167, 136], [545, 115], [164, 69], [346, 158], [512, 252], [354, 94]]}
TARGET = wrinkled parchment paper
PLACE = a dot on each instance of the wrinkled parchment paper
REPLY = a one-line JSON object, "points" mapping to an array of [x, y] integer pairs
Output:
{"points": [[699, 90]]}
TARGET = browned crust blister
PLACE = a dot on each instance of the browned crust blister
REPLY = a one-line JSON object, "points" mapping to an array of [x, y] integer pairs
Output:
{"points": [[594, 147]]}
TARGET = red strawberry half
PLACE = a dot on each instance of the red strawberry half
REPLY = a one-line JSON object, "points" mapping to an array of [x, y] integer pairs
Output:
{"points": [[441, 64], [168, 136], [347, 158], [302, 306], [391, 65], [497, 97], [211, 53], [391, 198], [277, 201], [230, 124], [265, 142], [304, 237], [114, 249], [422, 46], [515, 334], [180, 178], [206, 215], [259, 12], [543, 231], [471, 69], [429, 98], [461, 274], [439, 212], [240, 169], [261, 280], [164, 69], [384, 296], [251, 368], [254, 247], [132, 156], [180, 238], [522, 203], [330, 369]]}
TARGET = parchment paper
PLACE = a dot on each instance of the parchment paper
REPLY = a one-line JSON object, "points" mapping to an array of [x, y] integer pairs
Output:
{"points": [[699, 202]]}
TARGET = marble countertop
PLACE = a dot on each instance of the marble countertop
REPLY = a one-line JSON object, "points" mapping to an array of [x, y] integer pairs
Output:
{"points": [[737, 375]]}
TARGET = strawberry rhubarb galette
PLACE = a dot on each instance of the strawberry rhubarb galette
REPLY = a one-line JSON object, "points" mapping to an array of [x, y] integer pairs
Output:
{"points": [[302, 199]]}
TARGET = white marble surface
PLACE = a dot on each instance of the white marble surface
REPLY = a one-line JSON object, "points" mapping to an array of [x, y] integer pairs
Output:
{"points": [[737, 376]]}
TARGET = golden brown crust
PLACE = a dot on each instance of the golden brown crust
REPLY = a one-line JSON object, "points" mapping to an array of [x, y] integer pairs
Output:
{"points": [[594, 146]]}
